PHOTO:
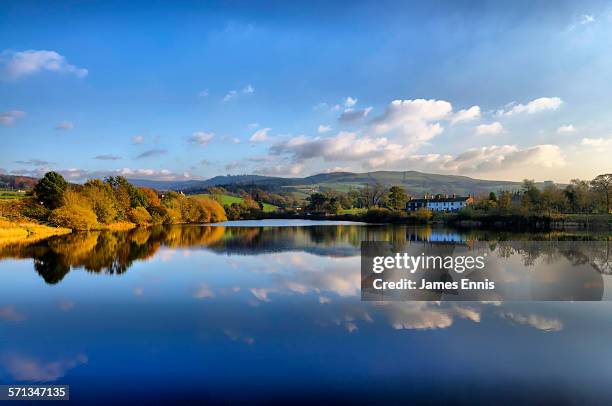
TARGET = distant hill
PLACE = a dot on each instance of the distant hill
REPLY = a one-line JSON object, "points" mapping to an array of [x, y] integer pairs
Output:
{"points": [[413, 181], [416, 183], [17, 182]]}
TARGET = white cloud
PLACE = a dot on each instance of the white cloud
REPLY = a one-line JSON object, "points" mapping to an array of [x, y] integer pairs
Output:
{"points": [[594, 142], [566, 129], [345, 146], [203, 292], [248, 89], [260, 135], [350, 101], [598, 144], [412, 122], [535, 321], [470, 114], [351, 115], [24, 368], [203, 93], [323, 128], [534, 106], [201, 137], [10, 117], [253, 125], [230, 95], [64, 126], [137, 139], [24, 63], [78, 174], [489, 129], [230, 139], [492, 158], [261, 293], [587, 19], [281, 170]]}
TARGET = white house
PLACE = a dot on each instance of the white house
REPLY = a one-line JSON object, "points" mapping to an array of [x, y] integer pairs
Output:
{"points": [[439, 203]]}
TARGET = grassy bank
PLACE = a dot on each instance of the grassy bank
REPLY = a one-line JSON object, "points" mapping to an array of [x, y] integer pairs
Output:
{"points": [[471, 219], [26, 231]]}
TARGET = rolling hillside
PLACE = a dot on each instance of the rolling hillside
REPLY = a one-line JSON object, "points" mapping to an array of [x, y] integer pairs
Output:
{"points": [[415, 182]]}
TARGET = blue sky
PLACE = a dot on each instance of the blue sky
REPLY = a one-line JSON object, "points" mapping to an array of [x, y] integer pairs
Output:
{"points": [[183, 90]]}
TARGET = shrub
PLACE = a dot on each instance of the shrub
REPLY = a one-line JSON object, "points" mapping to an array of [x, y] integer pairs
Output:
{"points": [[139, 215], [34, 210], [74, 217], [217, 213], [423, 214], [165, 215]]}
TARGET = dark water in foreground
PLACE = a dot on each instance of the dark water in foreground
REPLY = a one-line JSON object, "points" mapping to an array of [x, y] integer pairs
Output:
{"points": [[253, 314]]}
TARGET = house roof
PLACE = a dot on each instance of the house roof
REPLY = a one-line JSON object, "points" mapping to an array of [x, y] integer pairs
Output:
{"points": [[441, 199]]}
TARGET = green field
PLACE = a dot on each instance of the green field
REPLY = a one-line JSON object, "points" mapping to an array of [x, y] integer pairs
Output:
{"points": [[354, 211], [9, 194], [228, 200]]}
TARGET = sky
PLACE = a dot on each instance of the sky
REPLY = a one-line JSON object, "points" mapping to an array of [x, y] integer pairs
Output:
{"points": [[190, 90]]}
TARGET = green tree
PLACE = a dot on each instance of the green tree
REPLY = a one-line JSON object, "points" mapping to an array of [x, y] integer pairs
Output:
{"points": [[50, 189], [397, 198], [602, 184], [317, 202], [532, 197]]}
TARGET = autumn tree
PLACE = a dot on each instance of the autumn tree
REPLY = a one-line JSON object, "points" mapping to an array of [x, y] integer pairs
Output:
{"points": [[102, 200], [151, 196]]}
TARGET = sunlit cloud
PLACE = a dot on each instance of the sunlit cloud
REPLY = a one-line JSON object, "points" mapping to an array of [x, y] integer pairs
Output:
{"points": [[535, 321], [489, 129], [25, 368], [535, 106]]}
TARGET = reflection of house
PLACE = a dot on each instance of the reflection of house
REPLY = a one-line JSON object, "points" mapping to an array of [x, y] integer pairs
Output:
{"points": [[439, 203]]}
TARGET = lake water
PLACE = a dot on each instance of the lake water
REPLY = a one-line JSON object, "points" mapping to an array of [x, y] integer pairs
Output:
{"points": [[272, 311]]}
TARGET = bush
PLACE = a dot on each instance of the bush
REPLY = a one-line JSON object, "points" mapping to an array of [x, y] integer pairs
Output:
{"points": [[34, 210], [165, 215], [139, 215], [74, 217], [423, 214], [217, 213]]}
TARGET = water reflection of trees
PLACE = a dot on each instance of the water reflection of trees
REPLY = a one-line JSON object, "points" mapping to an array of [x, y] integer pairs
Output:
{"points": [[113, 252], [106, 251], [597, 254]]}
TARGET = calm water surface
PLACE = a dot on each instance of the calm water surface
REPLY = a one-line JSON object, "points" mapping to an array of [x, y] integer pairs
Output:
{"points": [[268, 311]]}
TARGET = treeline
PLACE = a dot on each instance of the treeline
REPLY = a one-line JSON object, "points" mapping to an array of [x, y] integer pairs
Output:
{"points": [[100, 203], [579, 197], [369, 197], [256, 193]]}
